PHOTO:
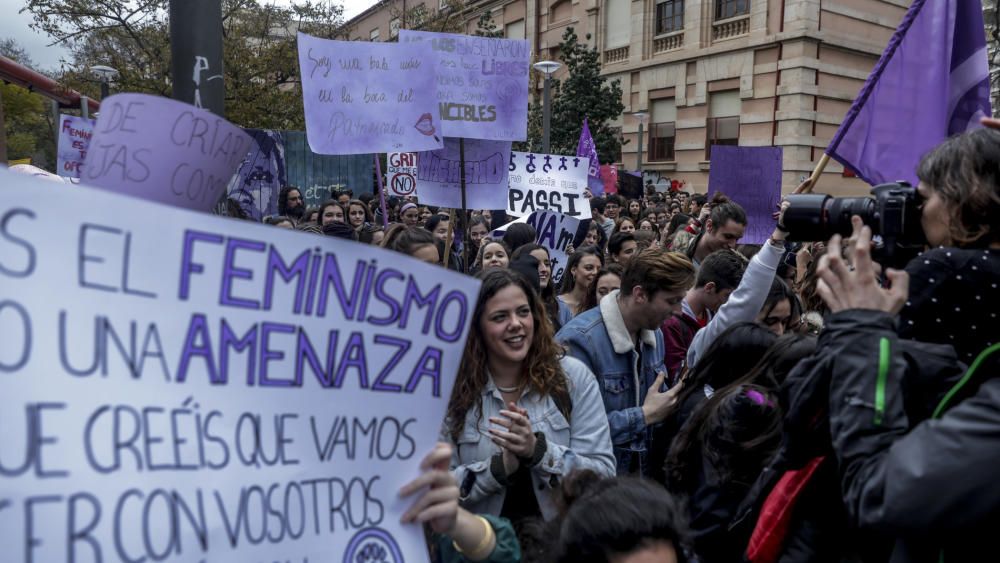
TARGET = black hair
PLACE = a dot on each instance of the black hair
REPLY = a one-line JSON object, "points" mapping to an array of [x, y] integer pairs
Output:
{"points": [[615, 199], [598, 203], [283, 199], [278, 219], [723, 267], [548, 294], [568, 279], [618, 240], [724, 210], [677, 222], [699, 199], [604, 518], [591, 300], [602, 236], [731, 436], [779, 292], [518, 235], [433, 221], [410, 239], [730, 356]]}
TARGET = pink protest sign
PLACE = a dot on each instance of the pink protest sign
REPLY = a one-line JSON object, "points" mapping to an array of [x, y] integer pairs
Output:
{"points": [[362, 97], [163, 150]]}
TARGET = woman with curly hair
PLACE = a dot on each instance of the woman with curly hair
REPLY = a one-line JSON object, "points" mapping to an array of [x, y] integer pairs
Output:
{"points": [[522, 415]]}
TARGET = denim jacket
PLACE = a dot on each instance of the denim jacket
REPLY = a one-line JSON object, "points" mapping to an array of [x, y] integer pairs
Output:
{"points": [[599, 339], [582, 442]]}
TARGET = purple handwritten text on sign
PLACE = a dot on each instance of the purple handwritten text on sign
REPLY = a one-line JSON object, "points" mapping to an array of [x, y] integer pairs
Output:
{"points": [[74, 139], [439, 175], [163, 150], [482, 84], [362, 97], [750, 176]]}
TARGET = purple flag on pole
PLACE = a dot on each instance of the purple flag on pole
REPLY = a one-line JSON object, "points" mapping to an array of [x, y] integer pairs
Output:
{"points": [[931, 82], [587, 148]]}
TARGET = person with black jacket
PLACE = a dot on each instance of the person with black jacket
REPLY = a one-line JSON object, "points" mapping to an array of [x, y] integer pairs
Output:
{"points": [[931, 487]]}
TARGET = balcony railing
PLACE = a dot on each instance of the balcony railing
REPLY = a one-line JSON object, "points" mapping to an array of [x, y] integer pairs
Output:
{"points": [[616, 55], [668, 43], [730, 28]]}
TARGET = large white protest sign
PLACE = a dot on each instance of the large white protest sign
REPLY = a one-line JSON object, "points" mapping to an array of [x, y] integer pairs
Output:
{"points": [[439, 174], [401, 173], [482, 84], [180, 387], [368, 97], [163, 150], [74, 139], [547, 182], [555, 232]]}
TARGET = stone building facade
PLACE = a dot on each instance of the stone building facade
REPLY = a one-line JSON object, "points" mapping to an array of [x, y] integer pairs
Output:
{"points": [[748, 72]]}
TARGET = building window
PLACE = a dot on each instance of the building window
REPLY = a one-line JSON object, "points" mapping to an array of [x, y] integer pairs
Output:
{"points": [[393, 28], [514, 30], [373, 36], [669, 16], [619, 22], [723, 127], [662, 130], [725, 9], [560, 11]]}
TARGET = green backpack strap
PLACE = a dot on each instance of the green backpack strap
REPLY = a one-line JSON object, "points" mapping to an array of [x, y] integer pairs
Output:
{"points": [[982, 357]]}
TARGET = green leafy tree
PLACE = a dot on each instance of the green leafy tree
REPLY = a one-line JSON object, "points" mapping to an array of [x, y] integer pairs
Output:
{"points": [[28, 124], [133, 36], [584, 93]]}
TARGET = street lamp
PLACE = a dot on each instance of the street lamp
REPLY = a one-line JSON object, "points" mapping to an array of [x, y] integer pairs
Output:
{"points": [[547, 68], [642, 117], [106, 74]]}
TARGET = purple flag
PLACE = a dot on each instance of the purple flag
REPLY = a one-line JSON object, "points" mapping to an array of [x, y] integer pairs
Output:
{"points": [[587, 148], [931, 82]]}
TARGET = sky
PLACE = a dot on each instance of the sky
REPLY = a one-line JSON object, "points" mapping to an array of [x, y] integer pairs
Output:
{"points": [[15, 25]]}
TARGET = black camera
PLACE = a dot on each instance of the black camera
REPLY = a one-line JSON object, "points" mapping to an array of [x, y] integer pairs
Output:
{"points": [[893, 213]]}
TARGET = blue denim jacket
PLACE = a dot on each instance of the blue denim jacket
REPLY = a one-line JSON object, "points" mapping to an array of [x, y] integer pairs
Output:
{"points": [[582, 442], [599, 339]]}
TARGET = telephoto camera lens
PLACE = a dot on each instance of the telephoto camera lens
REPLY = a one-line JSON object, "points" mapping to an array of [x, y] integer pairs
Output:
{"points": [[817, 217]]}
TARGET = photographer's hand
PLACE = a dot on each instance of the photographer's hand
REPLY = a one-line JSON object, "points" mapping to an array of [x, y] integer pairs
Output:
{"points": [[844, 288]]}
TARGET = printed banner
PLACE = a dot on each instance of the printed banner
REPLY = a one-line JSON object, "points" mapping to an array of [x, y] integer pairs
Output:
{"points": [[363, 97], [163, 150], [401, 173], [439, 175], [482, 84], [74, 139], [283, 158], [750, 176], [547, 182], [555, 232], [183, 387]]}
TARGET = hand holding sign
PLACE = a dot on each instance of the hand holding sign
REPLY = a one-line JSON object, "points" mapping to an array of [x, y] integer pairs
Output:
{"points": [[163, 150]]}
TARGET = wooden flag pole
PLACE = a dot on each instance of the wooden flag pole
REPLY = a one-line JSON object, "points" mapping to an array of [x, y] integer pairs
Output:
{"points": [[450, 239], [807, 187], [465, 209]]}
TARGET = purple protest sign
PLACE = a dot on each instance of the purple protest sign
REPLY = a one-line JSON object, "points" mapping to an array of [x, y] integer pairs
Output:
{"points": [[586, 147], [163, 150], [362, 97], [438, 175], [482, 84], [750, 176]]}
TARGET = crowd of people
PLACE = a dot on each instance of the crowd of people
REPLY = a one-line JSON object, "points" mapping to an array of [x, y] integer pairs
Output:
{"points": [[680, 396]]}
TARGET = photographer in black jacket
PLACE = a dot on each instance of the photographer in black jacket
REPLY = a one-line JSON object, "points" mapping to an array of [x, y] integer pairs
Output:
{"points": [[927, 482]]}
